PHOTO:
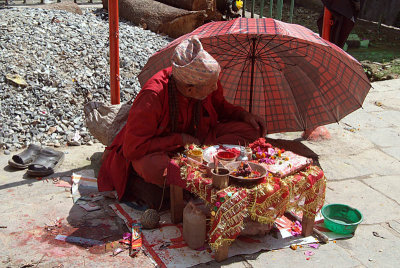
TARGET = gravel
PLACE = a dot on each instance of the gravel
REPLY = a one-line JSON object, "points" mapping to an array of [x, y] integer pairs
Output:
{"points": [[53, 62]]}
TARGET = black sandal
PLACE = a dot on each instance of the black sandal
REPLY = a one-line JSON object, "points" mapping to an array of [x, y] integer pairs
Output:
{"points": [[22, 160], [46, 162]]}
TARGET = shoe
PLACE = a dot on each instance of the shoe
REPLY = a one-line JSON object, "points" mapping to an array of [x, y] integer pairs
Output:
{"points": [[22, 160], [45, 163]]}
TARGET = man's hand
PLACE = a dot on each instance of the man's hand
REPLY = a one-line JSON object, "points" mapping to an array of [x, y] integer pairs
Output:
{"points": [[189, 139], [256, 121]]}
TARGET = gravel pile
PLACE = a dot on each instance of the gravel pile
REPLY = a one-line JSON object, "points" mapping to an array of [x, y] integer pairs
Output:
{"points": [[52, 63]]}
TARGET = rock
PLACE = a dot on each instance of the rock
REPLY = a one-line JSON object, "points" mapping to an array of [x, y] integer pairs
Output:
{"points": [[16, 80], [74, 143], [51, 130], [6, 152]]}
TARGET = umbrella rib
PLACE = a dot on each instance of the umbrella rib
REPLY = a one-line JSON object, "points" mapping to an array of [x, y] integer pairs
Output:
{"points": [[265, 92], [277, 62], [241, 75], [269, 41], [362, 77], [224, 49], [230, 66], [328, 111], [244, 51], [278, 45], [244, 48], [234, 63], [293, 56], [333, 55], [265, 54], [295, 102], [237, 57], [339, 84], [266, 63], [289, 49]]}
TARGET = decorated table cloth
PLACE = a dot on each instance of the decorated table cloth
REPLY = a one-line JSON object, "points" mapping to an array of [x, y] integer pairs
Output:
{"points": [[264, 201]]}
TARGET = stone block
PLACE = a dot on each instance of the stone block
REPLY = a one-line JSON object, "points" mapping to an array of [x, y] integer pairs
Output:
{"points": [[393, 151], [375, 207], [365, 120], [325, 256], [373, 251], [383, 137], [388, 185], [387, 85], [368, 162]]}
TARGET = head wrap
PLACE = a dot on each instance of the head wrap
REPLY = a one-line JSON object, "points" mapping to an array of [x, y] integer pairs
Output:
{"points": [[191, 64]]}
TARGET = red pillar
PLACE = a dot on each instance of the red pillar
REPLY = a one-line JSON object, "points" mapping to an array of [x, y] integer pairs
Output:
{"points": [[327, 24], [114, 50]]}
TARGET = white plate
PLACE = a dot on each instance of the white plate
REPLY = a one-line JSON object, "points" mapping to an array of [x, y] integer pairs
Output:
{"points": [[209, 153]]}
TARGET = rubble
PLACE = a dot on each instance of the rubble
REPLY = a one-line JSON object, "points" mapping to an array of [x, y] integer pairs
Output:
{"points": [[63, 58]]}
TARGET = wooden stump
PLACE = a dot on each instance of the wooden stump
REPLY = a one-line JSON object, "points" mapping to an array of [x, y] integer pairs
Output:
{"points": [[159, 17]]}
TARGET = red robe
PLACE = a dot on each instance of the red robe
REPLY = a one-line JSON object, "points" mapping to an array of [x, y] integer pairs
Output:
{"points": [[147, 129]]}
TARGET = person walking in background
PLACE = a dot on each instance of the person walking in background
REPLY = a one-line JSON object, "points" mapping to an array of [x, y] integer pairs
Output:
{"points": [[344, 16]]}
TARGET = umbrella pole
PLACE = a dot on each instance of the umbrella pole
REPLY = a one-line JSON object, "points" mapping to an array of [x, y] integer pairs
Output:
{"points": [[253, 62]]}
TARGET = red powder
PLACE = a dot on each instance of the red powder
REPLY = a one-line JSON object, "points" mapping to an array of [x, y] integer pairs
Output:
{"points": [[226, 155]]}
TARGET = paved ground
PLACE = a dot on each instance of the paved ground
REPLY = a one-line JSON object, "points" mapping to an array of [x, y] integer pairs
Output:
{"points": [[361, 162]]}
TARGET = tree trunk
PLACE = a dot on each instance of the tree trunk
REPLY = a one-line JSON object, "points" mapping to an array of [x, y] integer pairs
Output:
{"points": [[186, 4], [210, 6], [159, 17]]}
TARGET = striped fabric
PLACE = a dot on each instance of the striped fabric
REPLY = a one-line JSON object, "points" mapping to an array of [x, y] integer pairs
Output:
{"points": [[283, 72]]}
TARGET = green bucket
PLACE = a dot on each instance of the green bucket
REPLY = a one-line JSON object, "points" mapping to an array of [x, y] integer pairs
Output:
{"points": [[341, 219]]}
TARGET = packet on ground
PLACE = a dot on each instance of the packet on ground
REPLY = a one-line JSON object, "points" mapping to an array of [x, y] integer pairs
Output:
{"points": [[84, 183]]}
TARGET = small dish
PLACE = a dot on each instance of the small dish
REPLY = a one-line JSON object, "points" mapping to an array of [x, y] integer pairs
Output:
{"points": [[254, 166]]}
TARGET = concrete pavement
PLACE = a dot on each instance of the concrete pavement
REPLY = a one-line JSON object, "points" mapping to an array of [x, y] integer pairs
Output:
{"points": [[361, 162]]}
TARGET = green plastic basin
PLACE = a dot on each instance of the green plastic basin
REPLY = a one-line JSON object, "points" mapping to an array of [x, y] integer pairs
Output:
{"points": [[341, 219]]}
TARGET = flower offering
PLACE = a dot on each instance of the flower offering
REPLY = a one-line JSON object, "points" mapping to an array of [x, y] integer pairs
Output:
{"points": [[265, 153]]}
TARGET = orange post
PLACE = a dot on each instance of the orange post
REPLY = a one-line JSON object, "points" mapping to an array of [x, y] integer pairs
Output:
{"points": [[114, 50], [327, 24]]}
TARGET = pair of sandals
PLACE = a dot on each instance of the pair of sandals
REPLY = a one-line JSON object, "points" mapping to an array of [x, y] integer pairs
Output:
{"points": [[39, 161]]}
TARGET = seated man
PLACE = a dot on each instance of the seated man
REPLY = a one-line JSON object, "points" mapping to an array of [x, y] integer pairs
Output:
{"points": [[179, 105]]}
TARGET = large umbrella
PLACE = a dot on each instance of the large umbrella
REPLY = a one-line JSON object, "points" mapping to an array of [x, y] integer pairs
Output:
{"points": [[283, 72]]}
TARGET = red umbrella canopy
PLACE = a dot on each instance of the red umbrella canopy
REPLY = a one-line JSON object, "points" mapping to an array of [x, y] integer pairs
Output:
{"points": [[283, 72]]}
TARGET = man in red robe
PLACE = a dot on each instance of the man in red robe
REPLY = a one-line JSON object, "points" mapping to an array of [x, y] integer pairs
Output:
{"points": [[179, 105]]}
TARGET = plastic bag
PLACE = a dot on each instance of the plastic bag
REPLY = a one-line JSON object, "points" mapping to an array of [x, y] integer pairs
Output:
{"points": [[104, 120], [194, 226]]}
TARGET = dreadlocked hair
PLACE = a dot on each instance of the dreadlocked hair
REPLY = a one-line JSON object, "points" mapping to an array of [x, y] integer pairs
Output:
{"points": [[174, 109]]}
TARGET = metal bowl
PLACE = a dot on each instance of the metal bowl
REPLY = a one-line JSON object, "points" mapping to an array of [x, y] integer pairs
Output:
{"points": [[257, 167]]}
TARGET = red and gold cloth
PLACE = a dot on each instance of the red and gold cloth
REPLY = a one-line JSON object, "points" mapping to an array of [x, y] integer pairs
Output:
{"points": [[264, 201]]}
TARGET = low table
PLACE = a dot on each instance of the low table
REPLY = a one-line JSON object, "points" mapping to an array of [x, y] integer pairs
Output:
{"points": [[264, 201]]}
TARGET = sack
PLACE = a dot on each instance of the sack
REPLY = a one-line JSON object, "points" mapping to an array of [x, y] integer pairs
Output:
{"points": [[104, 121]]}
